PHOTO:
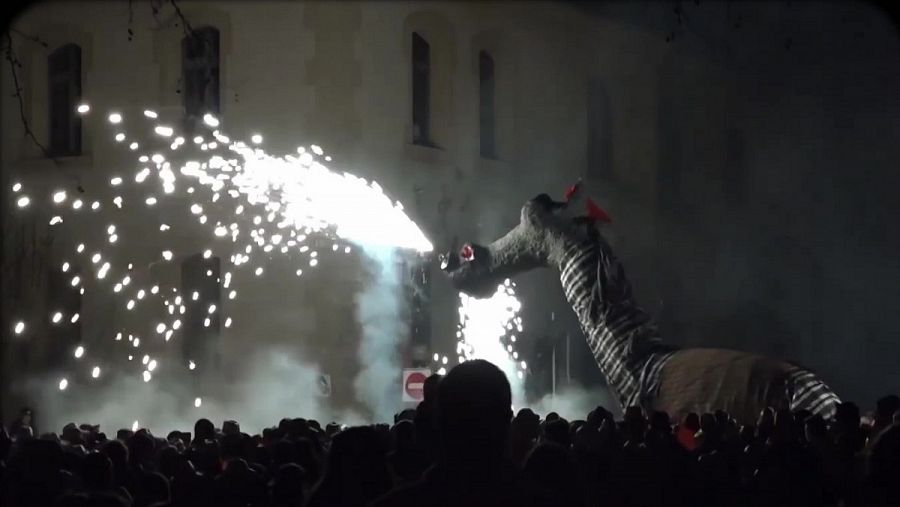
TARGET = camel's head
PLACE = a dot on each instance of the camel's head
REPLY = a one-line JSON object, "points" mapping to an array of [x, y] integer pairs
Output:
{"points": [[545, 228]]}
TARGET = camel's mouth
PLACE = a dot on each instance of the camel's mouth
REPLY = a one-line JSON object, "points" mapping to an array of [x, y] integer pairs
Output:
{"points": [[469, 270]]}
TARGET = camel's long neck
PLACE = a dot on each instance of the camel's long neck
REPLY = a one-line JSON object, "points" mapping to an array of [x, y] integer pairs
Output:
{"points": [[620, 334]]}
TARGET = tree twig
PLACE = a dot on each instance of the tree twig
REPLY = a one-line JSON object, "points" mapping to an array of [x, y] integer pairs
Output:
{"points": [[13, 67]]}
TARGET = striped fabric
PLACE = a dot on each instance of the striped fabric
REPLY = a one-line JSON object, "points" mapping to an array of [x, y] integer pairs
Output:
{"points": [[807, 392], [621, 335], [632, 357]]}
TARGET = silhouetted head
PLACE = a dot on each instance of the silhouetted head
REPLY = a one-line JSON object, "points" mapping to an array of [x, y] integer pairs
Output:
{"points": [[474, 410], [204, 430], [847, 416], [97, 472], [886, 407], [286, 487], [545, 229], [429, 390], [117, 452]]}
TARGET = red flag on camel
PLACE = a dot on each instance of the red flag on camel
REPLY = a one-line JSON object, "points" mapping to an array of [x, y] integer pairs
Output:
{"points": [[594, 212]]}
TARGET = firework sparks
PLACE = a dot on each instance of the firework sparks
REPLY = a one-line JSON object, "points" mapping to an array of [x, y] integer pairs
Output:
{"points": [[282, 203]]}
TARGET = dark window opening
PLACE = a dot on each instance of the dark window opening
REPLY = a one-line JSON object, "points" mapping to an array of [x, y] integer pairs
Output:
{"points": [[599, 140], [200, 73], [486, 105], [201, 276], [421, 88], [64, 89]]}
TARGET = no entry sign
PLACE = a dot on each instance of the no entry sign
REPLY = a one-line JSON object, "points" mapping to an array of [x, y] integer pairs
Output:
{"points": [[414, 383]]}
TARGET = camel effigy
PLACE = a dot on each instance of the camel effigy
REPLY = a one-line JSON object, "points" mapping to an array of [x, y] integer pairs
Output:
{"points": [[641, 369]]}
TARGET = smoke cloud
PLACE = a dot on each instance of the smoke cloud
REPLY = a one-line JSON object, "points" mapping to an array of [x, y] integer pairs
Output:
{"points": [[379, 316], [575, 402], [273, 385]]}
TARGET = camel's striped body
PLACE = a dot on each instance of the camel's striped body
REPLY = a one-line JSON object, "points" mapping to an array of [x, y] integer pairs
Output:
{"points": [[630, 353]]}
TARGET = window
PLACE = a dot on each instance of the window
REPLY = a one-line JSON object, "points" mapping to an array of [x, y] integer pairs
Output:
{"points": [[599, 140], [200, 73], [200, 326], [486, 106], [421, 90], [64, 80]]}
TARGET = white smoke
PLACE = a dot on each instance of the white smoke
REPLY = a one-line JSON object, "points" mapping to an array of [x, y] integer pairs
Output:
{"points": [[379, 314], [575, 402], [273, 385]]}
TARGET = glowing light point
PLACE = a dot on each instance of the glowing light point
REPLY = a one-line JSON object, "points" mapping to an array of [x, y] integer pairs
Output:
{"points": [[56, 220], [150, 201], [120, 137], [191, 365], [133, 146], [150, 114], [80, 248], [115, 118], [197, 402], [23, 201], [228, 322], [147, 378], [164, 131], [313, 262], [135, 426], [167, 255], [207, 254], [63, 383], [65, 267], [115, 181], [95, 205], [130, 304], [95, 372], [151, 365], [83, 108], [59, 197], [160, 328], [76, 204], [16, 187], [256, 138], [210, 120], [164, 227], [19, 327], [74, 318]]}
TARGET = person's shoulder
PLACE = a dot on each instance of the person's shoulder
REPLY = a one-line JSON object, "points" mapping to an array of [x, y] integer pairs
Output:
{"points": [[415, 494]]}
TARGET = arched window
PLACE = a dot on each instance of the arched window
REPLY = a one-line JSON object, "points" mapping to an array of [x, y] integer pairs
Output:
{"points": [[64, 89], [421, 88], [200, 72], [486, 105]]}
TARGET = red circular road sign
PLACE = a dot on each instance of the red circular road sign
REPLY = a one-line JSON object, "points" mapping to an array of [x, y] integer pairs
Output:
{"points": [[415, 385]]}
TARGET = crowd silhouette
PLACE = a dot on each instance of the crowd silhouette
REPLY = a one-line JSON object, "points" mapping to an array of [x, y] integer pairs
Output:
{"points": [[463, 446]]}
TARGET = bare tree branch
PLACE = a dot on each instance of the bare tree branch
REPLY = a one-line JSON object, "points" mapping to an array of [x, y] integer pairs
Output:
{"points": [[14, 65]]}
